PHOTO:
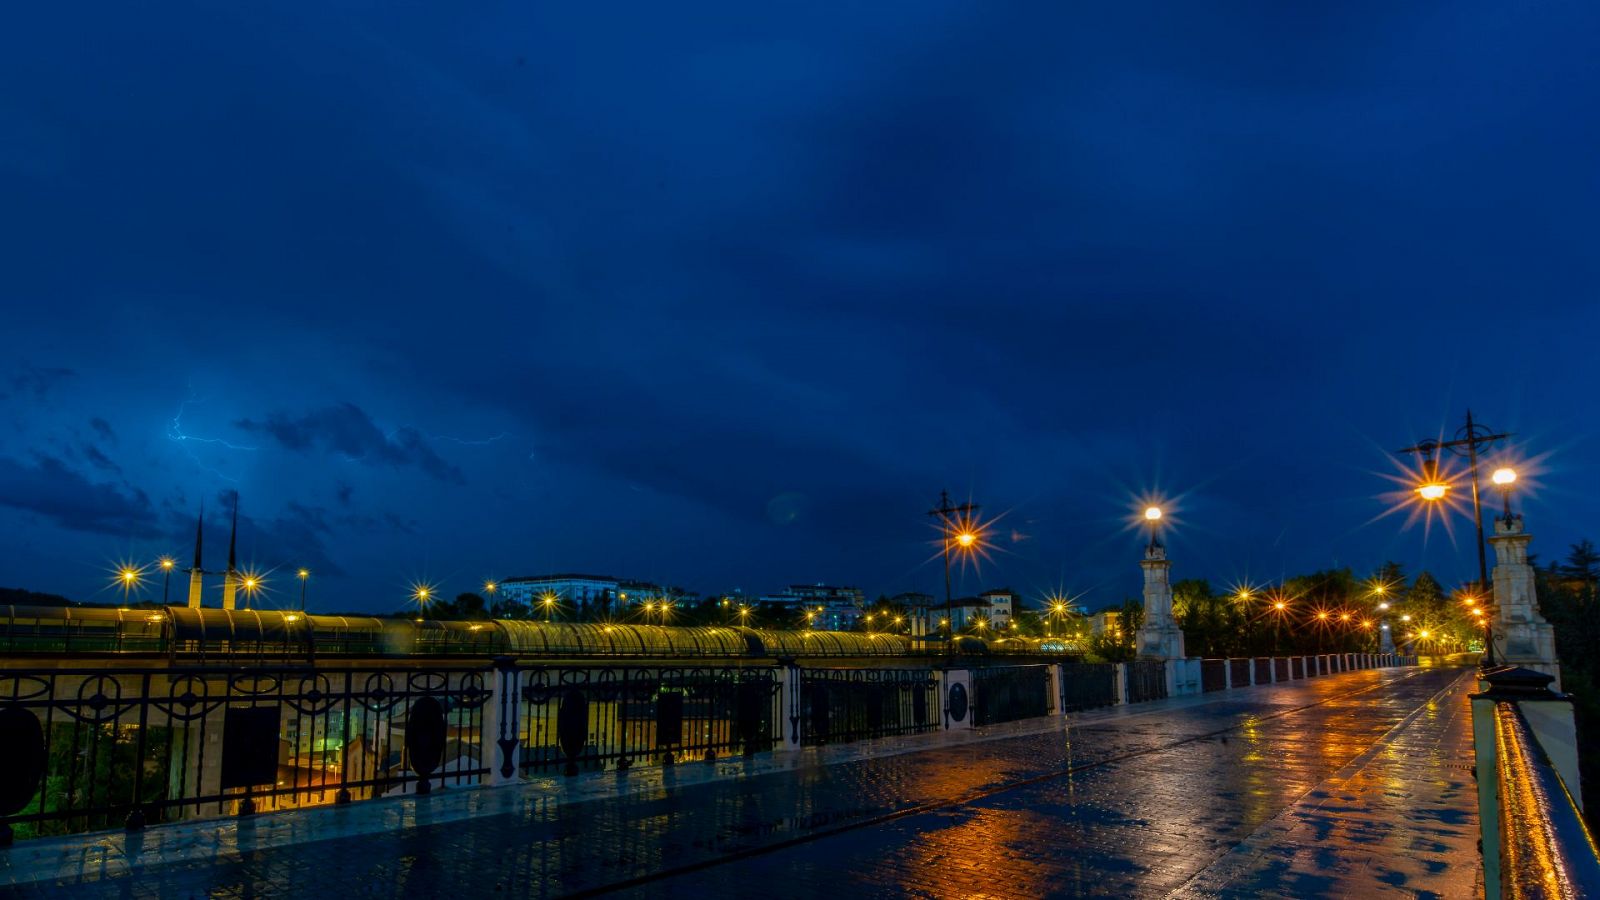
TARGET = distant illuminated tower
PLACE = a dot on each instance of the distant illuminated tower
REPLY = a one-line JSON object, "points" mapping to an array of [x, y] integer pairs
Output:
{"points": [[196, 573], [230, 579]]}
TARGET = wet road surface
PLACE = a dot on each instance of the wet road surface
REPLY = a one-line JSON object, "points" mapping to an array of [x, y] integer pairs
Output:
{"points": [[1356, 784]]}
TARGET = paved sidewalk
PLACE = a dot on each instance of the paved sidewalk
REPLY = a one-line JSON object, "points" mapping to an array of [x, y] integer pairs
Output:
{"points": [[1350, 785]]}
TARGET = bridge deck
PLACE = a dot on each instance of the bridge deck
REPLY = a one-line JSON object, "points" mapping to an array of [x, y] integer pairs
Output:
{"points": [[1357, 784]]}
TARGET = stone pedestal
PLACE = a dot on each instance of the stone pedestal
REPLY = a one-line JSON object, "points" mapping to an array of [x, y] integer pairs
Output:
{"points": [[1521, 636], [1160, 637]]}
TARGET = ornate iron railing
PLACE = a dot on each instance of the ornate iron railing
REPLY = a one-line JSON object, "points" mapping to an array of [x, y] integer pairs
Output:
{"points": [[1087, 685], [1007, 693], [1147, 680], [841, 705], [1280, 667], [1240, 671], [1213, 675], [105, 748], [589, 718]]}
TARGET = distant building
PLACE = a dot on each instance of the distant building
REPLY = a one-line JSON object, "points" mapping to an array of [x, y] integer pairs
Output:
{"points": [[829, 608], [1002, 606], [966, 611], [569, 589], [922, 611], [1106, 621], [599, 593]]}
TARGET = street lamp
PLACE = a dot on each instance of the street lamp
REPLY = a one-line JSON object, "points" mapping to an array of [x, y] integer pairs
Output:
{"points": [[955, 530], [1152, 515], [305, 577], [549, 602], [1468, 439], [128, 577], [250, 583], [422, 595], [167, 564], [1503, 478]]}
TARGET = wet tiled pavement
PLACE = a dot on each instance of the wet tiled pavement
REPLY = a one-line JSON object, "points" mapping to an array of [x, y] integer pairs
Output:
{"points": [[1350, 785]]}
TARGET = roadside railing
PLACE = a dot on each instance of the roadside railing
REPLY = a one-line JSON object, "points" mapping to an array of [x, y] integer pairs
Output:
{"points": [[1147, 680], [89, 749], [1008, 693], [1535, 841], [1087, 686], [843, 705], [109, 748], [583, 718]]}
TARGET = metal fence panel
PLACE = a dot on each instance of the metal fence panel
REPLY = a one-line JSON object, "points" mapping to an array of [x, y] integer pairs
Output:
{"points": [[138, 747], [1087, 685], [841, 705], [1147, 680], [1008, 693], [578, 718]]}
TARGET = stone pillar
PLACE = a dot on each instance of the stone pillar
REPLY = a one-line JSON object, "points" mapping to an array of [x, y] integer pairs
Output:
{"points": [[955, 698], [789, 704], [1057, 678], [502, 726], [1119, 683], [1521, 636], [1227, 673], [1160, 637]]}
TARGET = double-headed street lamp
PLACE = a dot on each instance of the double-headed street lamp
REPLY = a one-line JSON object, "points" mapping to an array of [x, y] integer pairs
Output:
{"points": [[1435, 488]]}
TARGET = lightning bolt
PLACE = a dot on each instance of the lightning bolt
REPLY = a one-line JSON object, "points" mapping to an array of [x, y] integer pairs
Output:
{"points": [[183, 439]]}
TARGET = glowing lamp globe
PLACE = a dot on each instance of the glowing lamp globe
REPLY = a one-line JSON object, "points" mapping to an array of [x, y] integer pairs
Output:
{"points": [[1504, 476], [1434, 490], [966, 539], [1153, 513]]}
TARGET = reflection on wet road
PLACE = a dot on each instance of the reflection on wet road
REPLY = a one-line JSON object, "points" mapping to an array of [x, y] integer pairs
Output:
{"points": [[1354, 784]]}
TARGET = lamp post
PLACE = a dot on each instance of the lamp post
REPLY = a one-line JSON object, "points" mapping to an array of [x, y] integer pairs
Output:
{"points": [[305, 578], [953, 531], [1468, 440], [251, 583], [128, 577], [167, 575]]}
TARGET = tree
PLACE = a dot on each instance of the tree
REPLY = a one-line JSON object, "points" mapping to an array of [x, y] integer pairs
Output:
{"points": [[1583, 563], [464, 606]]}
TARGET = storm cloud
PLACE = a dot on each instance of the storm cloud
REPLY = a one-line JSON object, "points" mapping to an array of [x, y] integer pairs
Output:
{"points": [[345, 429]]}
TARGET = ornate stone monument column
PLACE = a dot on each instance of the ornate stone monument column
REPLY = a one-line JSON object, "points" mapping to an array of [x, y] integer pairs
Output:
{"points": [[1521, 636], [1159, 636]]}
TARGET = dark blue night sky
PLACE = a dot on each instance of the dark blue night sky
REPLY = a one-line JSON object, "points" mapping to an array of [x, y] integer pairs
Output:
{"points": [[723, 296]]}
